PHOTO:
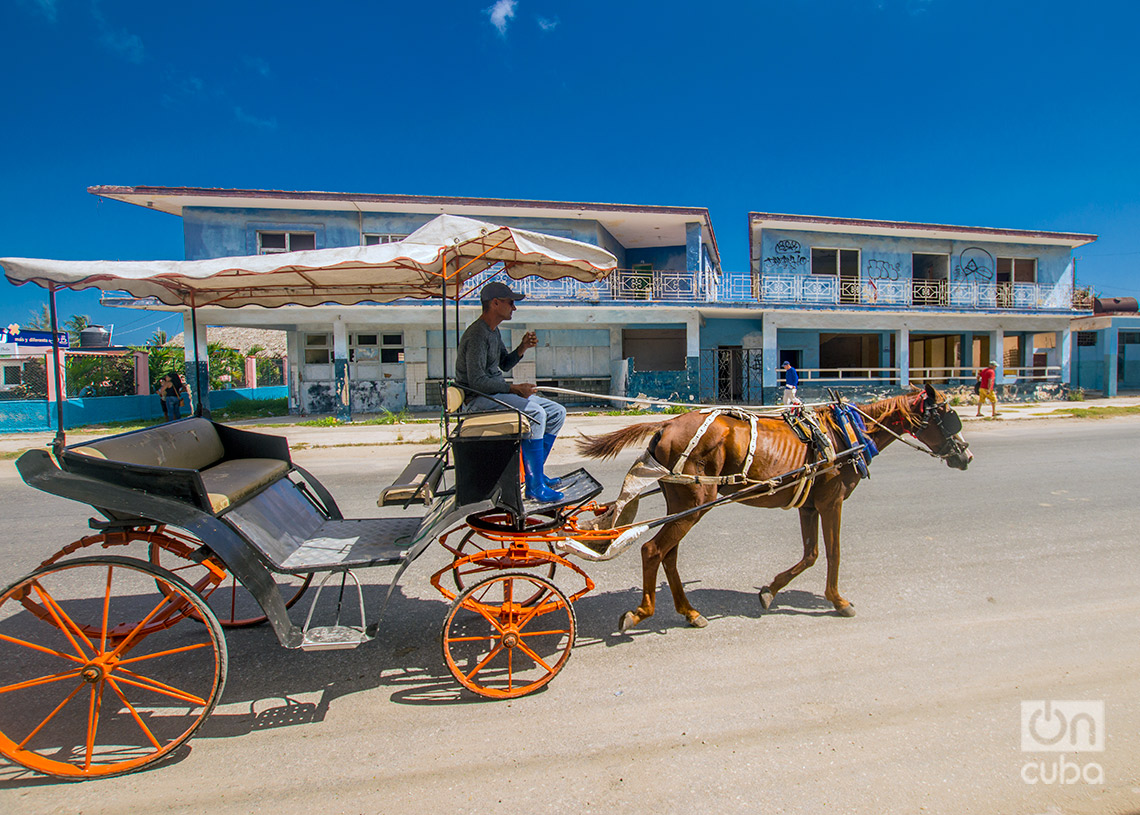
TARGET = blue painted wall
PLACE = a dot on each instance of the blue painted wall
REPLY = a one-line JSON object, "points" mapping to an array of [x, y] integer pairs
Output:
{"points": [[39, 415], [789, 251], [666, 258], [219, 232]]}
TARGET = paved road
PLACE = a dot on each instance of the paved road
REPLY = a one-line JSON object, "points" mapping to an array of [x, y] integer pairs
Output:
{"points": [[976, 591]]}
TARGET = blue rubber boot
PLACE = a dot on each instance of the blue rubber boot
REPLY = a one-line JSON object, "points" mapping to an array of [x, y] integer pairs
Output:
{"points": [[532, 455], [548, 442]]}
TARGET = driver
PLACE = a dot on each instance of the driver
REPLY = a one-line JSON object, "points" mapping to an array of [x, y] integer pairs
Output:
{"points": [[479, 364]]}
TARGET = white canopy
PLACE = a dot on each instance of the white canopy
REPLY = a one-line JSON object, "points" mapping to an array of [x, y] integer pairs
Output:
{"points": [[448, 247]]}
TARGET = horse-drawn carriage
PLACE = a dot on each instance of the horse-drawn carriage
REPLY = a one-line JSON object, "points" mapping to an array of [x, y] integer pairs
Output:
{"points": [[112, 652]]}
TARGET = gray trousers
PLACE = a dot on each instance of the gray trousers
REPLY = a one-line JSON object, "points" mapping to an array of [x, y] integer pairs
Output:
{"points": [[546, 416]]}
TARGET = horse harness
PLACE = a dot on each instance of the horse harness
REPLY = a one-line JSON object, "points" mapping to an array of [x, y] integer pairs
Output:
{"points": [[804, 422]]}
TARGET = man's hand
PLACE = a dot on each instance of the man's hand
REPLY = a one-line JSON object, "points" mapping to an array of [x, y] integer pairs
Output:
{"points": [[529, 340], [523, 389]]}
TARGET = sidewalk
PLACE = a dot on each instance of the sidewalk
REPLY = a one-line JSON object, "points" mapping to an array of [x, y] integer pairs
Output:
{"points": [[301, 437]]}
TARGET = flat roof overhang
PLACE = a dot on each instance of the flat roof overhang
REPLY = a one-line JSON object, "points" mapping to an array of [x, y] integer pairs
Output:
{"points": [[910, 229], [634, 226]]}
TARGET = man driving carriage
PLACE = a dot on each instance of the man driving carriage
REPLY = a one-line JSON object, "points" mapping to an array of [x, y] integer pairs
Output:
{"points": [[480, 362]]}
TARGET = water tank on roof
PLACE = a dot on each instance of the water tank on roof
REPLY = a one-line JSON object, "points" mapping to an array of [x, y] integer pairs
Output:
{"points": [[1114, 305], [95, 336]]}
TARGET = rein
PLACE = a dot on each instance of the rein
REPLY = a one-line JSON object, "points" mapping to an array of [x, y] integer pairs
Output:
{"points": [[947, 448]]}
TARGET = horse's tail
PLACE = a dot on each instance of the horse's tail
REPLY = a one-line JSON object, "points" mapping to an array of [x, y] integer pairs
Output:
{"points": [[610, 444]]}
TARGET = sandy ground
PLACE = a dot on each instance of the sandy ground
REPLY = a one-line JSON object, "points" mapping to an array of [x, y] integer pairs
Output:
{"points": [[1012, 582]]}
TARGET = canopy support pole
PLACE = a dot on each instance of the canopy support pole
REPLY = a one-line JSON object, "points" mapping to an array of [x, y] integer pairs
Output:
{"points": [[202, 409], [60, 440]]}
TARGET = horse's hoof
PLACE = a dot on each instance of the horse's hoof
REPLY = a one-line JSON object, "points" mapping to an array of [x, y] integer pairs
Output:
{"points": [[627, 621], [698, 622], [766, 598], [846, 611]]}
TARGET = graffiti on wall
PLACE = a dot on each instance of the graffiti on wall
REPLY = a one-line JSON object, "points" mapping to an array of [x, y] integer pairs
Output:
{"points": [[788, 257], [883, 269], [975, 265]]}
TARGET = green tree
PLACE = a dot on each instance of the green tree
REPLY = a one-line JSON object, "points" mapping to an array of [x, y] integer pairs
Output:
{"points": [[158, 338], [75, 326], [40, 320]]}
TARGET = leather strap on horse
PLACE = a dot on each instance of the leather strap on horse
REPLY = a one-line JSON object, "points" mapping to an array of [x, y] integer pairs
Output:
{"points": [[679, 477]]}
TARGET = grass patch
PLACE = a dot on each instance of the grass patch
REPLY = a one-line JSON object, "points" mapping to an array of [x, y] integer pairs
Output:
{"points": [[252, 409], [1099, 412], [8, 455]]}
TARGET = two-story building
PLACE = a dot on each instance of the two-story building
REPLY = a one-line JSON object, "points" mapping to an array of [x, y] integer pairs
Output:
{"points": [[667, 257], [874, 305]]}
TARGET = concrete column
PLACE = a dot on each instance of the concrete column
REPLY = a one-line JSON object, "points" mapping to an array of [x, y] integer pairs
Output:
{"points": [[142, 373], [770, 358], [1111, 351], [341, 378], [968, 351], [293, 358], [997, 353], [196, 345], [693, 335], [902, 352], [693, 247], [1065, 354], [251, 372], [415, 367]]}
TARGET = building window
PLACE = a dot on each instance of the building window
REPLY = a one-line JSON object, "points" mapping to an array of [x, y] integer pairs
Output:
{"points": [[318, 349], [654, 349], [373, 239], [842, 262], [1016, 270], [391, 348], [385, 348], [13, 375], [272, 243], [1086, 339], [1129, 338]]}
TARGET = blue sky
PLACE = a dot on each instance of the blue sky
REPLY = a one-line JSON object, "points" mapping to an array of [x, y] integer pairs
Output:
{"points": [[1006, 114]]}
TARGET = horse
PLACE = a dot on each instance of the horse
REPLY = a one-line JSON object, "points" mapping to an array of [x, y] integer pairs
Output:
{"points": [[723, 450]]}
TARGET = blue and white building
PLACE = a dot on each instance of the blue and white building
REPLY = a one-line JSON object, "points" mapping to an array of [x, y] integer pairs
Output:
{"points": [[873, 304]]}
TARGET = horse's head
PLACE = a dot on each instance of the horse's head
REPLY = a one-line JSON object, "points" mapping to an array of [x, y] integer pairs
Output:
{"points": [[940, 429]]}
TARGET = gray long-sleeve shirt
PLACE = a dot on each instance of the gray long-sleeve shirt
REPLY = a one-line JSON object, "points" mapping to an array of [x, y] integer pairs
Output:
{"points": [[481, 359]]}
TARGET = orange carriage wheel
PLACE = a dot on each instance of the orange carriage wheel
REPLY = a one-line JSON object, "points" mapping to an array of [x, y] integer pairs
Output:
{"points": [[498, 647], [472, 543], [138, 542], [231, 602], [96, 689]]}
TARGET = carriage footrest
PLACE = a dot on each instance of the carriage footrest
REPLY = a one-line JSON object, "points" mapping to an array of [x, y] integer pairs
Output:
{"points": [[334, 638]]}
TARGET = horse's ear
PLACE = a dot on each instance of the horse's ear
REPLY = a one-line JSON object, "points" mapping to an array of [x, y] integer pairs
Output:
{"points": [[931, 394]]}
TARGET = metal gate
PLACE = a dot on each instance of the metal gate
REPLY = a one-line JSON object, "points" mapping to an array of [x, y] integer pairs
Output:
{"points": [[732, 375]]}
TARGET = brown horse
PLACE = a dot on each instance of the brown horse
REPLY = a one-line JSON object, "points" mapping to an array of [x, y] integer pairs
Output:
{"points": [[723, 450]]}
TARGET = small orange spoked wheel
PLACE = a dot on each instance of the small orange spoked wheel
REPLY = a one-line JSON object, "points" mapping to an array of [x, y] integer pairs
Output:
{"points": [[499, 647], [472, 543], [84, 694]]}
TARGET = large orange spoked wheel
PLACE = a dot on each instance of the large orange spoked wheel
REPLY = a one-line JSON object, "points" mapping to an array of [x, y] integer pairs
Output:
{"points": [[498, 647], [140, 542], [103, 686], [231, 602]]}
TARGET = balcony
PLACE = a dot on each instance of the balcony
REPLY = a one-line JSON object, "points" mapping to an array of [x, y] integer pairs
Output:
{"points": [[675, 286]]}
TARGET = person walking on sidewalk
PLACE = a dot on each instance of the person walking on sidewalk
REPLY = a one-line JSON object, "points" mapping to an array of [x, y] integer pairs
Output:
{"points": [[987, 388], [791, 382], [480, 362]]}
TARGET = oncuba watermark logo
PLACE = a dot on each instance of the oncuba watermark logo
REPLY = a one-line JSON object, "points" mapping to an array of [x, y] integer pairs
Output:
{"points": [[1062, 726]]}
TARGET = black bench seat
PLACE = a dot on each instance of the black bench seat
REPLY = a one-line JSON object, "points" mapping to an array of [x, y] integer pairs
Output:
{"points": [[289, 532]]}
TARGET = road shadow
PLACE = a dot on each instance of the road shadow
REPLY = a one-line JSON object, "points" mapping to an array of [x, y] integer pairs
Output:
{"points": [[795, 601]]}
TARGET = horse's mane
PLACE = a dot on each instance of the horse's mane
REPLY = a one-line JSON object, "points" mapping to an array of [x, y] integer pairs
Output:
{"points": [[897, 407]]}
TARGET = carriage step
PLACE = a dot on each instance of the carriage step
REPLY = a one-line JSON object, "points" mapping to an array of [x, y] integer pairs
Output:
{"points": [[333, 638]]}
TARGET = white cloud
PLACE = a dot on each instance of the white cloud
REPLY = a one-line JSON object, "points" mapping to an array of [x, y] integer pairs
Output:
{"points": [[122, 42], [501, 14], [548, 23], [258, 65], [250, 119], [49, 8]]}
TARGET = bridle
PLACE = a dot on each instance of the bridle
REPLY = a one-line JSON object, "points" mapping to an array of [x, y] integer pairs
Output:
{"points": [[933, 413]]}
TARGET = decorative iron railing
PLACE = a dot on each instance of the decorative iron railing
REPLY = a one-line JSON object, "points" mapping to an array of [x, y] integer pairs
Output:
{"points": [[666, 286]]}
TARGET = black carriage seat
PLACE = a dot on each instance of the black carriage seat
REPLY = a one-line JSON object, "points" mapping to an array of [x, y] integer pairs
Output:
{"points": [[417, 482], [195, 460], [484, 424]]}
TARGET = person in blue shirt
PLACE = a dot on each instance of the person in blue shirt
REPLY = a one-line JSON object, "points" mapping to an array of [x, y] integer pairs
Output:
{"points": [[791, 382]]}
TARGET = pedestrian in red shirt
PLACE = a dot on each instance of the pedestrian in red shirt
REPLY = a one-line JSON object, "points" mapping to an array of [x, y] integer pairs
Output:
{"points": [[986, 387]]}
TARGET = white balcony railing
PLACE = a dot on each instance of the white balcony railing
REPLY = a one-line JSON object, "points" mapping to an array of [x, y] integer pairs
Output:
{"points": [[943, 375], [665, 286]]}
